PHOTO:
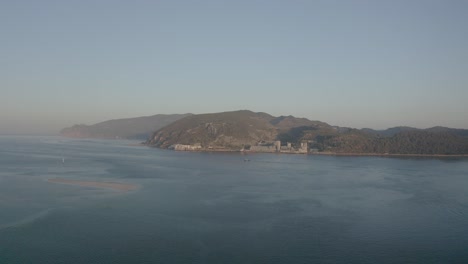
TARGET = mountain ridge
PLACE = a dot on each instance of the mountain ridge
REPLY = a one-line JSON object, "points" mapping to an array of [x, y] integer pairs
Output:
{"points": [[246, 130], [129, 128]]}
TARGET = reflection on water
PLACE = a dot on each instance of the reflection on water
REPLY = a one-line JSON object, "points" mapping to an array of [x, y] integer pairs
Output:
{"points": [[216, 208]]}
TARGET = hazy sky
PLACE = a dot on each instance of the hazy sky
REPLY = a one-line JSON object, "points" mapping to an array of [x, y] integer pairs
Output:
{"points": [[350, 63]]}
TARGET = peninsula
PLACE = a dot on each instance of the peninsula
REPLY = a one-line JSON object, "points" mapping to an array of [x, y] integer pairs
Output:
{"points": [[124, 128], [249, 131]]}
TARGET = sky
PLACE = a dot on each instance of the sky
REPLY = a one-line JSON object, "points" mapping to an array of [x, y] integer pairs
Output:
{"points": [[352, 63]]}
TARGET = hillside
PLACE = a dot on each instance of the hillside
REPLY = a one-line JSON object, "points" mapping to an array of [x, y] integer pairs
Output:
{"points": [[136, 128], [389, 131], [218, 130], [236, 130], [244, 129], [408, 141]]}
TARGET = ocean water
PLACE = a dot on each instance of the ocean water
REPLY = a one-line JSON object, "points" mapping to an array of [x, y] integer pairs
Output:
{"points": [[218, 208]]}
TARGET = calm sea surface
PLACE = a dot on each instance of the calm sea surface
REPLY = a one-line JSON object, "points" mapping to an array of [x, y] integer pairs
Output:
{"points": [[217, 208]]}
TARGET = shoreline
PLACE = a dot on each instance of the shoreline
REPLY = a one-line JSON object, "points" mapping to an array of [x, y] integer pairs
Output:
{"points": [[321, 153], [390, 155], [125, 187]]}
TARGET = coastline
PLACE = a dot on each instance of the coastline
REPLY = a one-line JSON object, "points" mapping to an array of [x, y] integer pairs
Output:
{"points": [[349, 154], [390, 155]]}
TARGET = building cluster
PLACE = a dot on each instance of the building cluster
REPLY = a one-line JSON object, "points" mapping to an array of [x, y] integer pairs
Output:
{"points": [[263, 147], [182, 147], [276, 147]]}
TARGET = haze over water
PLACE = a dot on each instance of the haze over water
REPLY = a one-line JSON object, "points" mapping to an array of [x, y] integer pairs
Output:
{"points": [[217, 208]]}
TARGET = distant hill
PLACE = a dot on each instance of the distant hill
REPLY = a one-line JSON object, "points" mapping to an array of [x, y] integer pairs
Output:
{"points": [[239, 129], [287, 122], [236, 130], [397, 140], [218, 130], [456, 131], [135, 128], [389, 131]]}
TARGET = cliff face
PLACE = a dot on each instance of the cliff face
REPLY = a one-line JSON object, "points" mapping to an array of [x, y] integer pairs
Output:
{"points": [[137, 128]]}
